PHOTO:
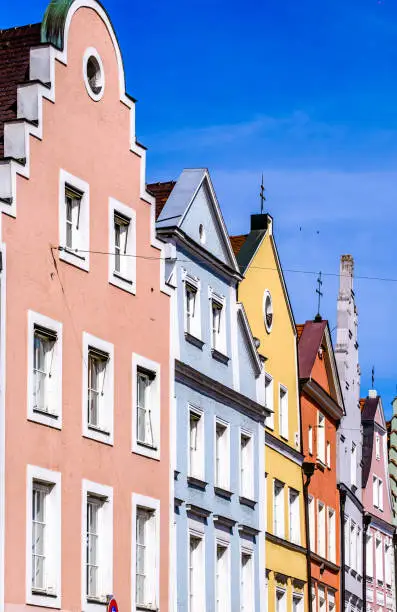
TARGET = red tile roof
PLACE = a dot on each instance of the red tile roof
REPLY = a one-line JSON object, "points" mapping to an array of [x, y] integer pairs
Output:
{"points": [[309, 343], [237, 242], [161, 192], [15, 44]]}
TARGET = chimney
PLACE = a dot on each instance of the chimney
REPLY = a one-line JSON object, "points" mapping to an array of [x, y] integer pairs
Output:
{"points": [[372, 394]]}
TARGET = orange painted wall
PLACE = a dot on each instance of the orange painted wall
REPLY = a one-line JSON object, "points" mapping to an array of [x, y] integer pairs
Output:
{"points": [[323, 485]]}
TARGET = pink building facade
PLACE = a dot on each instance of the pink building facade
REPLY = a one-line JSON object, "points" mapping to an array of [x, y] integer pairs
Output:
{"points": [[84, 328], [378, 521]]}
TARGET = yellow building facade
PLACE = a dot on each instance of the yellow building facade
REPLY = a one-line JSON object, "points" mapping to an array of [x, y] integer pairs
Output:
{"points": [[269, 312]]}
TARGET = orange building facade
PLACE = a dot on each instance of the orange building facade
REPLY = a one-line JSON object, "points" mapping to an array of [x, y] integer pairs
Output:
{"points": [[321, 410]]}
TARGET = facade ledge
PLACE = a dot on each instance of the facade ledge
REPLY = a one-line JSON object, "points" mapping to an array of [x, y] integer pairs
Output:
{"points": [[223, 493], [224, 521], [195, 341], [322, 398], [197, 483], [248, 530], [218, 356], [329, 565], [246, 501], [197, 511], [285, 543], [283, 448]]}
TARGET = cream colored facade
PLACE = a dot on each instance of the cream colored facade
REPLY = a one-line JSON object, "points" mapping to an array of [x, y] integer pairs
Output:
{"points": [[286, 561]]}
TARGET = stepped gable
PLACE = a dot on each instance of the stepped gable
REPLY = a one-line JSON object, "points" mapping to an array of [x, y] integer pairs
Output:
{"points": [[15, 45], [161, 193]]}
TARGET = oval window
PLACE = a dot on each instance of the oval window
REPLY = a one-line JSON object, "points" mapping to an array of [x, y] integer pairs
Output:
{"points": [[268, 311], [93, 74]]}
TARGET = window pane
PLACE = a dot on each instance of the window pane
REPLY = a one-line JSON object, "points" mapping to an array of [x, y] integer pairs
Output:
{"points": [[38, 537]]}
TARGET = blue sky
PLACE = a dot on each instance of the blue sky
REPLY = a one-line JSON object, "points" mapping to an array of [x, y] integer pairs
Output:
{"points": [[305, 92]]}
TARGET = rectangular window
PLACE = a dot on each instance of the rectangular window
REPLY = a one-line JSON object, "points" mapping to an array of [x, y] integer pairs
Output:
{"points": [[144, 408], [191, 309], [297, 603], [43, 533], [97, 544], [278, 509], [347, 541], [196, 444], [379, 559], [283, 405], [269, 400], [294, 516], [222, 455], [321, 529], [96, 405], [98, 389], [353, 546], [388, 564], [122, 246], [247, 578], [370, 555], [377, 445], [246, 466], [380, 494], [331, 600], [281, 600], [322, 604], [321, 437], [328, 454], [196, 574], [353, 465], [331, 536], [74, 231], [310, 440], [312, 524], [217, 314], [73, 199], [39, 532], [145, 591], [359, 551], [222, 583], [375, 491], [44, 370]]}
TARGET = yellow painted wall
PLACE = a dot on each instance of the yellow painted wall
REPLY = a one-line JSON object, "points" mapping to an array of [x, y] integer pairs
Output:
{"points": [[279, 347]]}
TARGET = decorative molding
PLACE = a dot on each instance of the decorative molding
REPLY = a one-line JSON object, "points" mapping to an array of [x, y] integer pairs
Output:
{"points": [[245, 501], [223, 493], [195, 341], [248, 530], [285, 543], [321, 397], [224, 521], [283, 448], [220, 356], [332, 567], [197, 483], [197, 511]]}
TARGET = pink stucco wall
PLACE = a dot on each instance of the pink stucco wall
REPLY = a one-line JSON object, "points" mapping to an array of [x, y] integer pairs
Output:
{"points": [[91, 141]]}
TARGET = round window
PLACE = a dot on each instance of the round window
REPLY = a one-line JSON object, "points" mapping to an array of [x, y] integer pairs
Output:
{"points": [[94, 77], [268, 311]]}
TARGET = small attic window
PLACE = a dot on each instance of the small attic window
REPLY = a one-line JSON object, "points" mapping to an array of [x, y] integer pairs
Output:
{"points": [[202, 234], [93, 73]]}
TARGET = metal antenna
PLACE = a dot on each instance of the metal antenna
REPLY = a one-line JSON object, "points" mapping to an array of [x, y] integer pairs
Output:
{"points": [[262, 195], [320, 295], [373, 377]]}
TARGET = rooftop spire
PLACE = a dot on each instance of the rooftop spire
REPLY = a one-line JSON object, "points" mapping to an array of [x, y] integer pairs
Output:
{"points": [[262, 195], [320, 295]]}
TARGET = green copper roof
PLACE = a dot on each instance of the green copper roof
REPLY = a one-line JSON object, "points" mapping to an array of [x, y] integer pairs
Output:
{"points": [[53, 26]]}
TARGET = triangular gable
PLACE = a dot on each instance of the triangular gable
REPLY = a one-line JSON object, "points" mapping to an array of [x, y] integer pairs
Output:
{"points": [[248, 338], [193, 209]]}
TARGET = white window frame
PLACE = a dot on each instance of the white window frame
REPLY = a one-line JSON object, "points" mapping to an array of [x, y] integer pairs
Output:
{"points": [[353, 465], [331, 535], [388, 563], [105, 544], [298, 597], [225, 583], [105, 432], [269, 399], [321, 422], [126, 277], [249, 606], [322, 601], [200, 603], [279, 509], [152, 505], [81, 258], [138, 361], [377, 445], [375, 491], [294, 516], [310, 440], [369, 545], [221, 344], [379, 558], [321, 529], [51, 597], [280, 594], [347, 541], [195, 322], [198, 471], [353, 545], [312, 522], [328, 454], [380, 493], [54, 417], [283, 414], [222, 480], [247, 488]]}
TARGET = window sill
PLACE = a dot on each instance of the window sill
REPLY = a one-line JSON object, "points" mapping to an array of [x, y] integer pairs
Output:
{"points": [[44, 593], [99, 430], [149, 608], [147, 445], [193, 340], [197, 483], [218, 356], [122, 282], [98, 601], [50, 415], [320, 464], [221, 492], [72, 257], [247, 501]]}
